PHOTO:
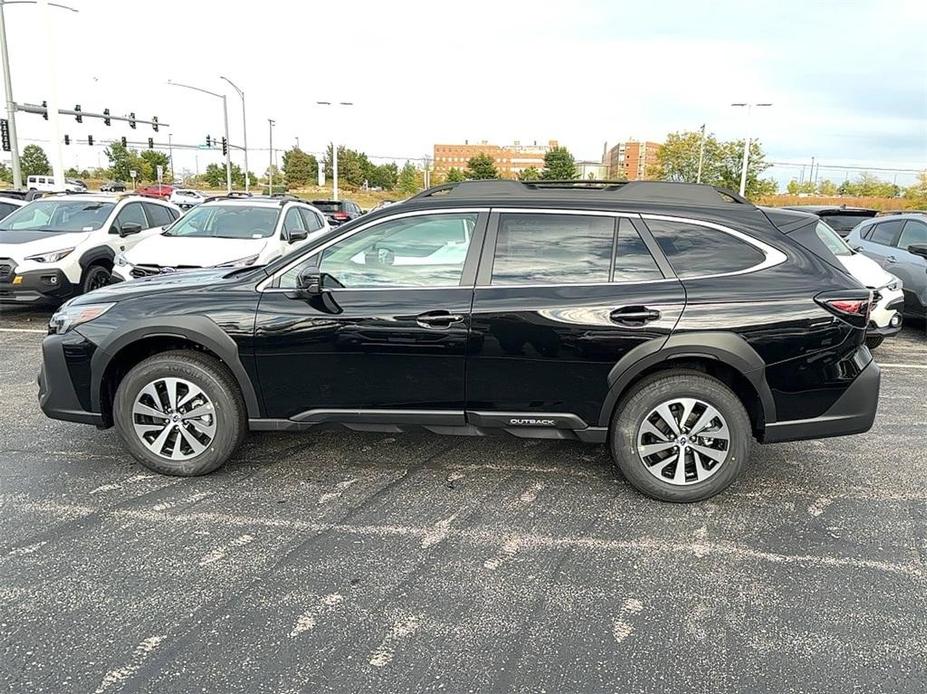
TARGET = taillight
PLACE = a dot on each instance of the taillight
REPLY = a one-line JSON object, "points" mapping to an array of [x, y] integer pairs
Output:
{"points": [[340, 215], [852, 309]]}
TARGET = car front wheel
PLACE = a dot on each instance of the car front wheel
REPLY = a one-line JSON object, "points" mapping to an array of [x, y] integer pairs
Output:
{"points": [[180, 413], [680, 436]]}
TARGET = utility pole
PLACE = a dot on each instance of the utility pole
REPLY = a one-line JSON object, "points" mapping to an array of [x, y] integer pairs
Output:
{"points": [[270, 171], [811, 176], [244, 129], [743, 170], [701, 155], [335, 148], [10, 105]]}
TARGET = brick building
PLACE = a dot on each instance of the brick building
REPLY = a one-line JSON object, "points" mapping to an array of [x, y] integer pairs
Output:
{"points": [[631, 159], [510, 160]]}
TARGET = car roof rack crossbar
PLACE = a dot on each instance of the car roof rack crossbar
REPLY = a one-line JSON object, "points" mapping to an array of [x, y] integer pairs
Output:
{"points": [[631, 191]]}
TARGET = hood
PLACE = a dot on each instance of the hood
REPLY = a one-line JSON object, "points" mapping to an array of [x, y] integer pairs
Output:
{"points": [[18, 243], [180, 251], [171, 282], [866, 270]]}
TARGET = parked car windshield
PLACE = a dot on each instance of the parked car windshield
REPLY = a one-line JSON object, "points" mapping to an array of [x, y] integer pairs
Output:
{"points": [[832, 240], [59, 216], [227, 222]]}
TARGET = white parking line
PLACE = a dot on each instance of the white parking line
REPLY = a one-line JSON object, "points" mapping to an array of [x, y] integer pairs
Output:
{"points": [[22, 330], [903, 366]]}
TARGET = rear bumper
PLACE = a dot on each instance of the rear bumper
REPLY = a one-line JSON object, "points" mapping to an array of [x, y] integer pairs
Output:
{"points": [[853, 413]]}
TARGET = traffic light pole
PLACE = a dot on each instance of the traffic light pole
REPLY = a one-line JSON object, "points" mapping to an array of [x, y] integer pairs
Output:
{"points": [[10, 104], [228, 150]]}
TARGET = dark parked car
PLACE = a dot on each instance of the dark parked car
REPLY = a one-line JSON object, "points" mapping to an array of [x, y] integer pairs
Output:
{"points": [[113, 187], [338, 211], [898, 243], [673, 322], [840, 218]]}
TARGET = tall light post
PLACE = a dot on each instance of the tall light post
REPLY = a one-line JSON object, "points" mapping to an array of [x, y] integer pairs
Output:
{"points": [[743, 170], [225, 116], [270, 170], [8, 88], [701, 155], [244, 128], [335, 148]]}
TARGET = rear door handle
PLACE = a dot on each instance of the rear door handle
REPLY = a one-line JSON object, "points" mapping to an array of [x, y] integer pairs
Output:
{"points": [[438, 319], [634, 315]]}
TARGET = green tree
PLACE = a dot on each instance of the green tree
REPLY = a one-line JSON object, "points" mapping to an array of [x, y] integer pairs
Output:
{"points": [[384, 176], [529, 174], [153, 158], [6, 173], [408, 179], [827, 187], [300, 167], [481, 167], [33, 161], [454, 175], [917, 193], [559, 165], [123, 161], [730, 165], [215, 176], [353, 166]]}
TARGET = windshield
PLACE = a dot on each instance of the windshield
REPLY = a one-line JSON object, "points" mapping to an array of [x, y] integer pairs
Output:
{"points": [[832, 240], [327, 206], [227, 222], [844, 222], [59, 216]]}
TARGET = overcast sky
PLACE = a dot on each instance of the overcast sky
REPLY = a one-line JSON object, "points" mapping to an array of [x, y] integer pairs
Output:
{"points": [[848, 79]]}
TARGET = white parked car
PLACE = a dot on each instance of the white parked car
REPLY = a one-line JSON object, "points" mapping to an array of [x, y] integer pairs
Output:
{"points": [[61, 245], [886, 316], [185, 198], [47, 184], [9, 205], [225, 231]]}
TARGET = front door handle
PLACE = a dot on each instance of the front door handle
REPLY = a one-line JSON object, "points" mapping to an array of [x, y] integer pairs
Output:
{"points": [[634, 315], [891, 259], [438, 319]]}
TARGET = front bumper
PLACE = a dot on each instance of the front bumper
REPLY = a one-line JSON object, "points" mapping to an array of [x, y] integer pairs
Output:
{"points": [[65, 369], [853, 413], [36, 285]]}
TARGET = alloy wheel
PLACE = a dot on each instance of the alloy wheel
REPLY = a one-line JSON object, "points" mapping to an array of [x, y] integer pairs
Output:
{"points": [[174, 418], [683, 441]]}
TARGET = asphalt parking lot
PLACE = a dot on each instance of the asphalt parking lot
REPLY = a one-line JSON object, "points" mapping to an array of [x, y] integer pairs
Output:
{"points": [[343, 561]]}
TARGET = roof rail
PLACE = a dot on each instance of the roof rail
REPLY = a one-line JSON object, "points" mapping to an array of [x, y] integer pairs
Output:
{"points": [[638, 191], [231, 195]]}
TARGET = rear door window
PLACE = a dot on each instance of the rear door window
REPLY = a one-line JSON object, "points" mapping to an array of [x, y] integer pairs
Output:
{"points": [[694, 250], [886, 233], [914, 233], [132, 214]]}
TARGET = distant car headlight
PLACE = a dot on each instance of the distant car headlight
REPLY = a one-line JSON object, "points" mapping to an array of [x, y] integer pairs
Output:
{"points": [[51, 256], [68, 317], [241, 262]]}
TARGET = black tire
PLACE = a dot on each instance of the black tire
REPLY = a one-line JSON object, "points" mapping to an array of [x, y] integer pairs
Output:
{"points": [[873, 341], [659, 388], [215, 380], [95, 276]]}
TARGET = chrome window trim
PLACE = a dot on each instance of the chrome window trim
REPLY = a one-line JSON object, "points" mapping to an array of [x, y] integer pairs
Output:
{"points": [[262, 285], [773, 255]]}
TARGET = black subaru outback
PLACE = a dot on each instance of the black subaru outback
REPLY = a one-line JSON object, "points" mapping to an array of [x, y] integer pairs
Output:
{"points": [[674, 322]]}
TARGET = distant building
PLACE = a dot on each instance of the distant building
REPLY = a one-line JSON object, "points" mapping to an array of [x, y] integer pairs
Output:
{"points": [[510, 160], [631, 159], [594, 170]]}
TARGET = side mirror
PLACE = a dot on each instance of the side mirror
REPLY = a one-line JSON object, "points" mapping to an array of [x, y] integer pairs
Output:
{"points": [[309, 283], [130, 228], [298, 235], [918, 249], [312, 286]]}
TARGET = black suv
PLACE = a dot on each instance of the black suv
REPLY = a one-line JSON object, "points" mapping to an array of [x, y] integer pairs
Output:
{"points": [[674, 322], [338, 211]]}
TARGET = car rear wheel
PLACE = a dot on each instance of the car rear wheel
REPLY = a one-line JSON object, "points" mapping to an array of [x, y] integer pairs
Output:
{"points": [[180, 413], [680, 436]]}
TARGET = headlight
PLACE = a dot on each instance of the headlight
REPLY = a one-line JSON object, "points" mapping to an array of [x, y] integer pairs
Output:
{"points": [[50, 257], [68, 317], [241, 262]]}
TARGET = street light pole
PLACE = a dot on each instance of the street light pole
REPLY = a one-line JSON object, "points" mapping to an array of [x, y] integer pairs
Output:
{"points": [[270, 171], [335, 149], [10, 105], [244, 129], [225, 115], [701, 155], [743, 170]]}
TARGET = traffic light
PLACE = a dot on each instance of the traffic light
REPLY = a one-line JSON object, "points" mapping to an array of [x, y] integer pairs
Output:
{"points": [[150, 143], [154, 123], [132, 120], [208, 141], [79, 117], [67, 139], [90, 140], [106, 118], [225, 146], [124, 141], [45, 112]]}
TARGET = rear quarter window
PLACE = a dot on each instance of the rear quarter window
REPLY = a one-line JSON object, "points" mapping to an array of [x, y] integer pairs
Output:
{"points": [[694, 250]]}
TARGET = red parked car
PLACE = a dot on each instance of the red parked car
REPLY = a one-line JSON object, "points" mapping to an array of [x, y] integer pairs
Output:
{"points": [[158, 190]]}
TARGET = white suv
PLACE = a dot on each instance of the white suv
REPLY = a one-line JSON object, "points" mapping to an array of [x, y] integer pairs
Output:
{"points": [[62, 245], [225, 231]]}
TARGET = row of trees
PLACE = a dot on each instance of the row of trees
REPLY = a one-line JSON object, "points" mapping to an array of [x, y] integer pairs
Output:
{"points": [[559, 165], [866, 185]]}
